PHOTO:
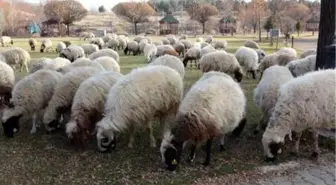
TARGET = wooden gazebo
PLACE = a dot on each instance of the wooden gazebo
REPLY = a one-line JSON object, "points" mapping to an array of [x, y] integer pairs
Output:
{"points": [[169, 25], [227, 25], [313, 24]]}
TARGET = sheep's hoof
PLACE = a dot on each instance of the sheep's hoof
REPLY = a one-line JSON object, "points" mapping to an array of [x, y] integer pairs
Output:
{"points": [[315, 155], [221, 148]]}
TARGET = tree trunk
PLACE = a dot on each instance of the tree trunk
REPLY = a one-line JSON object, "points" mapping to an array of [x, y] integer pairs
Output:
{"points": [[203, 24], [267, 35], [259, 29], [326, 34], [68, 29], [254, 28], [135, 29]]}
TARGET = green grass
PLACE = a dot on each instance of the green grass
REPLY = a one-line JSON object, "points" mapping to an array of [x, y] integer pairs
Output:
{"points": [[49, 159]]}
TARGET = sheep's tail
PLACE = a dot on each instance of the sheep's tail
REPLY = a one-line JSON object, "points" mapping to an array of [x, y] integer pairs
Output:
{"points": [[239, 129]]}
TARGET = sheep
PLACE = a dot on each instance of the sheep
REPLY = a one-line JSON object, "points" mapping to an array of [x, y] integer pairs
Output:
{"points": [[158, 43], [122, 43], [179, 48], [150, 52], [288, 51], [105, 52], [138, 38], [88, 105], [187, 44], [200, 40], [209, 39], [171, 52], [62, 98], [133, 47], [81, 62], [86, 35], [261, 54], [17, 56], [107, 38], [48, 63], [183, 37], [89, 48], [7, 80], [306, 102], [301, 66], [172, 39], [193, 53], [60, 46], [5, 41], [165, 41], [308, 52], [113, 43], [265, 94], [98, 41], [207, 49], [136, 100], [29, 96], [222, 62], [204, 44], [46, 45], [170, 61], [214, 106], [221, 44], [142, 44], [32, 43], [248, 58], [251, 44], [72, 53], [281, 59], [161, 50], [38, 64], [108, 63]]}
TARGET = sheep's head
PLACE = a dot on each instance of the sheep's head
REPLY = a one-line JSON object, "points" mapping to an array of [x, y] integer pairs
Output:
{"points": [[238, 74], [170, 151], [10, 124], [106, 139], [42, 48], [126, 50], [12, 42], [273, 145], [66, 53]]}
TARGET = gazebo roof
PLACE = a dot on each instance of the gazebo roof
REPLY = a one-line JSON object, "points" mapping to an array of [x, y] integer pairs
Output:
{"points": [[228, 19], [51, 21], [169, 19]]}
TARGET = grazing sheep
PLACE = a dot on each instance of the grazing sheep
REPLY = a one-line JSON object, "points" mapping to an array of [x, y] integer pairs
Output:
{"points": [[65, 90], [187, 44], [107, 38], [265, 94], [72, 53], [38, 64], [81, 62], [17, 56], [214, 106], [88, 105], [308, 52], [179, 48], [207, 49], [261, 54], [113, 43], [165, 41], [158, 43], [303, 65], [222, 62], [29, 96], [251, 44], [122, 43], [108, 63], [183, 37], [86, 35], [138, 38], [281, 59], [104, 52], [133, 47], [171, 52], [204, 44], [306, 102], [193, 53], [248, 58], [150, 52], [172, 40], [6, 41], [32, 43], [209, 39], [46, 45], [89, 48], [60, 46], [98, 41], [288, 51], [161, 50], [221, 44], [7, 80], [135, 100], [47, 63], [142, 45], [170, 61]]}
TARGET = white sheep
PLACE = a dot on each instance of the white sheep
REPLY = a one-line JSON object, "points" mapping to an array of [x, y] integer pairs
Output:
{"points": [[288, 51], [165, 41], [248, 58], [86, 35], [276, 58], [183, 37], [142, 45], [113, 43], [214, 106], [138, 38], [222, 62], [306, 102], [7, 80], [193, 53], [209, 39], [107, 38], [150, 52], [303, 65], [32, 43], [170, 61], [122, 43], [135, 100], [88, 105], [251, 44], [261, 54], [38, 64], [72, 53], [98, 41], [172, 39], [108, 63], [222, 44], [204, 44], [265, 94], [158, 43], [89, 48], [17, 56], [29, 96], [81, 62], [207, 49], [133, 47], [61, 100], [187, 44], [308, 52], [179, 48], [6, 41], [46, 45], [104, 52], [60, 46]]}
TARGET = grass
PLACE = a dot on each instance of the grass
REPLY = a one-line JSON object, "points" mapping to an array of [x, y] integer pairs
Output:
{"points": [[49, 159]]}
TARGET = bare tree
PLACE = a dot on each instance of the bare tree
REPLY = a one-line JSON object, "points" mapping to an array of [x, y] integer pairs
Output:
{"points": [[202, 13], [134, 12], [259, 9]]}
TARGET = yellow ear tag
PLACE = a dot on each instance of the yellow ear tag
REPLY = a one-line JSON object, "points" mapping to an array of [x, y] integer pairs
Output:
{"points": [[174, 162]]}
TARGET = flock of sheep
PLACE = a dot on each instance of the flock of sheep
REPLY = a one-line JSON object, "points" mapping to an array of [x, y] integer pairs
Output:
{"points": [[84, 89]]}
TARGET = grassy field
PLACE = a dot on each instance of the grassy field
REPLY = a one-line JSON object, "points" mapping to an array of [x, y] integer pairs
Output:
{"points": [[49, 159]]}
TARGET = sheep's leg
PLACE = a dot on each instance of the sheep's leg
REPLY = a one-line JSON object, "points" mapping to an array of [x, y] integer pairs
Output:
{"points": [[208, 152], [33, 129], [131, 136], [192, 153], [262, 124], [316, 151], [253, 75], [21, 67], [151, 137], [297, 137], [221, 146], [26, 68]]}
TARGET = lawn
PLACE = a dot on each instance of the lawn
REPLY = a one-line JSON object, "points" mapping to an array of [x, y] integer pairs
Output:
{"points": [[49, 159]]}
